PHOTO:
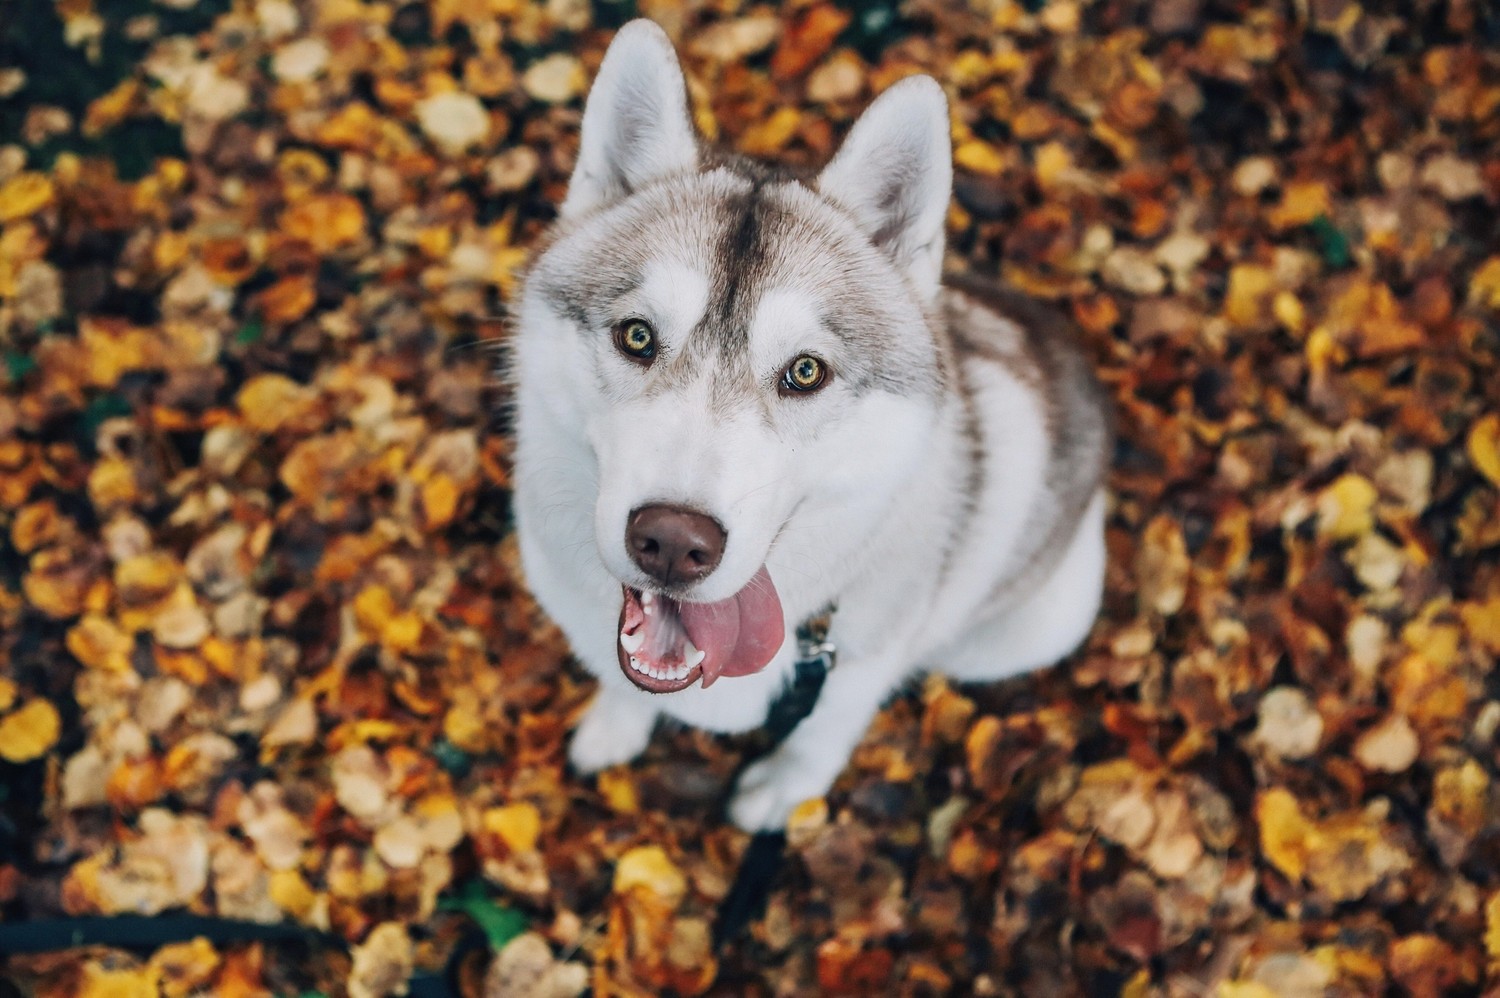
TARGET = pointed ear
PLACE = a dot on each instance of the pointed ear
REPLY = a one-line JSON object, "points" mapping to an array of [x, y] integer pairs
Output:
{"points": [[894, 173], [636, 126]]}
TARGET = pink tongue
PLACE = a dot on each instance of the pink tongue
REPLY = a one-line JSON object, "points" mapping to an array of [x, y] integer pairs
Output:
{"points": [[738, 635]]}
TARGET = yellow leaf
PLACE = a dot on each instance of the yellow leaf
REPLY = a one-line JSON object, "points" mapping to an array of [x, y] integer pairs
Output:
{"points": [[24, 194], [1345, 507], [1287, 308], [979, 157], [362, 731], [373, 607], [1053, 164], [402, 632], [435, 241], [291, 893], [970, 69], [1286, 837], [29, 732], [170, 249], [1323, 352], [112, 484], [1243, 989], [99, 644], [463, 726], [1492, 927], [355, 126], [1484, 446], [1461, 797], [185, 968], [1249, 286], [1484, 286], [99, 983], [109, 110], [8, 692], [439, 501], [506, 265], [617, 787], [267, 401], [1483, 623], [805, 820], [518, 825], [649, 869], [302, 170], [1302, 202]]}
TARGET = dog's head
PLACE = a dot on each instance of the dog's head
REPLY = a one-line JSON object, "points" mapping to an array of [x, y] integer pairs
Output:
{"points": [[747, 356]]}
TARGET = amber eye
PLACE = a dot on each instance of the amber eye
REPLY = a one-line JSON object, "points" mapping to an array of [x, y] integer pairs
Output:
{"points": [[636, 340], [805, 374]]}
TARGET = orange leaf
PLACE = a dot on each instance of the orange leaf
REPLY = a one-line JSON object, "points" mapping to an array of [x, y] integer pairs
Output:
{"points": [[289, 299], [325, 222], [807, 41]]}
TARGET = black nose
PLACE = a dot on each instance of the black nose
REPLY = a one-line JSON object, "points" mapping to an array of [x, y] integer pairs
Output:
{"points": [[673, 544]]}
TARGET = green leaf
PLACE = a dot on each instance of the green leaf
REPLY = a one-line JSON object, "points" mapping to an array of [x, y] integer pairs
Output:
{"points": [[499, 923], [249, 333], [18, 365], [1332, 244], [101, 408]]}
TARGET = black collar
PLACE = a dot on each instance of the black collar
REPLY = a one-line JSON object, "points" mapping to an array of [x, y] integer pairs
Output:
{"points": [[816, 657]]}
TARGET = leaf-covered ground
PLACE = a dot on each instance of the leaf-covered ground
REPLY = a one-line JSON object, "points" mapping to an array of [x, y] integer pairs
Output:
{"points": [[264, 652]]}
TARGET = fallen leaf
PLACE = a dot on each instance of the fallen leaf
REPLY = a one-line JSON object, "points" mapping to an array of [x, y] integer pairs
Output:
{"points": [[29, 731], [649, 869]]}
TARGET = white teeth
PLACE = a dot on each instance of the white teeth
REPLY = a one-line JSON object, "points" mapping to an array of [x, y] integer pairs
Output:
{"points": [[662, 673], [647, 599]]}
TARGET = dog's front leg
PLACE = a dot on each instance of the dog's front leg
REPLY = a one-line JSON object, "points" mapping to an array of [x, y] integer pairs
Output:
{"points": [[806, 764], [616, 729]]}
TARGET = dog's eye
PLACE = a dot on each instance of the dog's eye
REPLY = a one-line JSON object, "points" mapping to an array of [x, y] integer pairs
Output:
{"points": [[805, 374], [636, 340]]}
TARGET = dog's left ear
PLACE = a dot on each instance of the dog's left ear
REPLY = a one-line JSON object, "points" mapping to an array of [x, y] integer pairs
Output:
{"points": [[636, 126], [894, 173]]}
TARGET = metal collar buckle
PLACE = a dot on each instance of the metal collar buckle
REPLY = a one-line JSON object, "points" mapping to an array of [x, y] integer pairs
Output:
{"points": [[812, 640]]}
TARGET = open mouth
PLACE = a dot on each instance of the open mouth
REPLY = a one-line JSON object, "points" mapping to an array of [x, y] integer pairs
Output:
{"points": [[667, 645]]}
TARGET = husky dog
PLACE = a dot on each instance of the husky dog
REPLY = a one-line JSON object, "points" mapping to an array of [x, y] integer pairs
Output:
{"points": [[744, 396]]}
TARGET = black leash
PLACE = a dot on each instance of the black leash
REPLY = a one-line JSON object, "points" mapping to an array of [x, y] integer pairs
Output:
{"points": [[766, 853]]}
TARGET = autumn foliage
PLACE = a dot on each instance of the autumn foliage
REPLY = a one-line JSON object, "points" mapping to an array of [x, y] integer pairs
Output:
{"points": [[265, 653]]}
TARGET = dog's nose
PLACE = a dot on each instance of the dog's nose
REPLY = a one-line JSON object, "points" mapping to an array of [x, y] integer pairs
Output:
{"points": [[673, 544]]}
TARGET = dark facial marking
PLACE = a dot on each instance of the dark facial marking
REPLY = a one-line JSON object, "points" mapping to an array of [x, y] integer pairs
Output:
{"points": [[741, 258]]}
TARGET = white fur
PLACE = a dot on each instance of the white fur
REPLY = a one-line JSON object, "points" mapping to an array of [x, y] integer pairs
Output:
{"points": [[845, 495], [636, 128], [900, 146]]}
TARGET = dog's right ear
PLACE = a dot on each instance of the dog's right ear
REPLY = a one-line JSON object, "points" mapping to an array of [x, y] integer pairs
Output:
{"points": [[636, 126]]}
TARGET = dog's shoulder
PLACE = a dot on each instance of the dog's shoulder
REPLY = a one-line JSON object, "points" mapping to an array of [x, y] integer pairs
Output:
{"points": [[1042, 349]]}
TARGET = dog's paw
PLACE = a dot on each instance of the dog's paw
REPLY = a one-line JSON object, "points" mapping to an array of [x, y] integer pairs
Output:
{"points": [[610, 733], [771, 789]]}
